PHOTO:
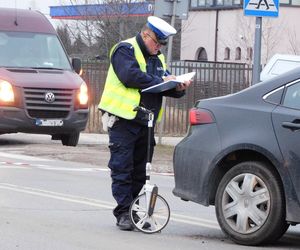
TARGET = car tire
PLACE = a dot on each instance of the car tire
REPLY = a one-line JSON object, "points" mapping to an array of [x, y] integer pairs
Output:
{"points": [[70, 139], [250, 204]]}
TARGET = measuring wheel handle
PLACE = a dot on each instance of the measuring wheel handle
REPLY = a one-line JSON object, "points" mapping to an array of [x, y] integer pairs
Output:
{"points": [[153, 198]]}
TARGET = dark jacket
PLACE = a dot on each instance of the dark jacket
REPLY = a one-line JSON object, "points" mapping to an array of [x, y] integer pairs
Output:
{"points": [[128, 71]]}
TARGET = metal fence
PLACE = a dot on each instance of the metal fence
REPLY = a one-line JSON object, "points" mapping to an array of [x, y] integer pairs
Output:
{"points": [[212, 79]]}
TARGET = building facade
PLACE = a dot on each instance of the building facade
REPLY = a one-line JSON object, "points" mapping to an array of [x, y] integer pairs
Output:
{"points": [[217, 30]]}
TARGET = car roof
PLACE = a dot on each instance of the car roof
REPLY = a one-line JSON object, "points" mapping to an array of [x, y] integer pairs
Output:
{"points": [[20, 20]]}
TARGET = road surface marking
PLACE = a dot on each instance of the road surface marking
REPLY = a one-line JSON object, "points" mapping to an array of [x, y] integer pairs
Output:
{"points": [[49, 167], [15, 165], [23, 157], [101, 204], [72, 169]]}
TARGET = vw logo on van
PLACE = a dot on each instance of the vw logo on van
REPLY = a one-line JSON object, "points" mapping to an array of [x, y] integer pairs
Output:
{"points": [[49, 97]]}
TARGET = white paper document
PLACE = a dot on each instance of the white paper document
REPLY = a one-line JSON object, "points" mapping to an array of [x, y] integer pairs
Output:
{"points": [[169, 84], [185, 77]]}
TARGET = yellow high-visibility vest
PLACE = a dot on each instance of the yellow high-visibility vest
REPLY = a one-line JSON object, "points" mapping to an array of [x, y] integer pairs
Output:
{"points": [[119, 100]]}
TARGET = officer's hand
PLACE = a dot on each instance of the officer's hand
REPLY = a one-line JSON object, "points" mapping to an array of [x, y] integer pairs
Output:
{"points": [[169, 77], [184, 85]]}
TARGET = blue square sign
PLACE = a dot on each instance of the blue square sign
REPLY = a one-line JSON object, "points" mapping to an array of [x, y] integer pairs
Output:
{"points": [[261, 8]]}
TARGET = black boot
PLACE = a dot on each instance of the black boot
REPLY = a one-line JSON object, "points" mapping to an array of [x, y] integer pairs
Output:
{"points": [[124, 222]]}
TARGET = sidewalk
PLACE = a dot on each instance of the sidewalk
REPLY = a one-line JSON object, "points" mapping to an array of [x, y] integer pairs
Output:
{"points": [[94, 139], [162, 158]]}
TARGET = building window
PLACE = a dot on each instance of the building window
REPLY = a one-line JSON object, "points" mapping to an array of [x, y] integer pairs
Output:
{"points": [[290, 2], [201, 2], [213, 3], [249, 53], [227, 2], [238, 53], [201, 54], [227, 54], [194, 3]]}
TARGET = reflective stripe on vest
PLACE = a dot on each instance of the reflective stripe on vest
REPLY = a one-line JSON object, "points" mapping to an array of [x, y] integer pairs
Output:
{"points": [[116, 98]]}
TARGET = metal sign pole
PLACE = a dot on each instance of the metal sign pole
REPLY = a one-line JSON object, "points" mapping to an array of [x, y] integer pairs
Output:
{"points": [[169, 57], [269, 8], [257, 52]]}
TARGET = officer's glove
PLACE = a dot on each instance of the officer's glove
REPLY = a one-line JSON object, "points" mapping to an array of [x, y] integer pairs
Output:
{"points": [[104, 120]]}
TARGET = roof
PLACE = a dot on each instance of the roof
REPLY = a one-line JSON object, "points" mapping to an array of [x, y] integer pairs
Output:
{"points": [[101, 10], [25, 21]]}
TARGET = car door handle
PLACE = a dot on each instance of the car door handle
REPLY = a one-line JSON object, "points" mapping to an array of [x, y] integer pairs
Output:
{"points": [[291, 125]]}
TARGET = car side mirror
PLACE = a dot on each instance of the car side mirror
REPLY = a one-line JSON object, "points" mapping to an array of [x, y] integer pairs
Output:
{"points": [[76, 64]]}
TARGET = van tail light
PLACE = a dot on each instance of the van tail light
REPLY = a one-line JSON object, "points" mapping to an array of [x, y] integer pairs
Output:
{"points": [[200, 116]]}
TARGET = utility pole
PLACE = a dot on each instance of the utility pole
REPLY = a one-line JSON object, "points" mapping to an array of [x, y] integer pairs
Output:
{"points": [[169, 59], [174, 9]]}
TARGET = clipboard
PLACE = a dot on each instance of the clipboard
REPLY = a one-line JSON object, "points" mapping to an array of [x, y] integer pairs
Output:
{"points": [[161, 87]]}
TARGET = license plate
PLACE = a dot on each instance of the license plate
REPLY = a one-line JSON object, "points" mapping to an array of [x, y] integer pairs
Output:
{"points": [[49, 122]]}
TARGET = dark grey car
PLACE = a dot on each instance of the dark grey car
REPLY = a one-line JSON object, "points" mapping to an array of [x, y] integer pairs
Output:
{"points": [[242, 155]]}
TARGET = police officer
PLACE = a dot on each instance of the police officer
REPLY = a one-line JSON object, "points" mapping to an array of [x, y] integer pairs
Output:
{"points": [[136, 64]]}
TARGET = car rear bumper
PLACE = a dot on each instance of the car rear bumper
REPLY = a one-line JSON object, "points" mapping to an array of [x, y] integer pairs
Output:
{"points": [[192, 163]]}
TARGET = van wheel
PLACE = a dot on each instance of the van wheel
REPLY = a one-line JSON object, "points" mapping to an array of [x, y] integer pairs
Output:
{"points": [[250, 204], [70, 139]]}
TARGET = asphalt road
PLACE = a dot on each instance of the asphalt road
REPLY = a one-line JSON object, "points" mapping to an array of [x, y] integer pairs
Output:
{"points": [[47, 203]]}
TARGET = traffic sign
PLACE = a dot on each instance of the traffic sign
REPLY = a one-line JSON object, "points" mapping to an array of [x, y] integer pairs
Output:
{"points": [[261, 8], [164, 8]]}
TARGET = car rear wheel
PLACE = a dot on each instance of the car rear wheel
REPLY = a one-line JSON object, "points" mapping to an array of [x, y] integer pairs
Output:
{"points": [[70, 139], [250, 204]]}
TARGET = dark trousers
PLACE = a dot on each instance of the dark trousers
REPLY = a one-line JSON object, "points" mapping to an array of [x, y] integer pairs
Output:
{"points": [[128, 157]]}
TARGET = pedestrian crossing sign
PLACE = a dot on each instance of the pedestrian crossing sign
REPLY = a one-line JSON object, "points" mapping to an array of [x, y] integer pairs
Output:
{"points": [[261, 8]]}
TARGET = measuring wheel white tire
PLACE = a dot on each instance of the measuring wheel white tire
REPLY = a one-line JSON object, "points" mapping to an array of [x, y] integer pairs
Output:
{"points": [[141, 219]]}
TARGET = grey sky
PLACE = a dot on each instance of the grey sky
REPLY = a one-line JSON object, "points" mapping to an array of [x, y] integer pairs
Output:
{"points": [[41, 5]]}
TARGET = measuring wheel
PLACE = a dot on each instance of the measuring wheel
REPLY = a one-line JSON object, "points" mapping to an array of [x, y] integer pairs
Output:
{"points": [[149, 218]]}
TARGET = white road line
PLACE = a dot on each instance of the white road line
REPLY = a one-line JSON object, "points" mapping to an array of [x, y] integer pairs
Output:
{"points": [[54, 195], [72, 169], [101, 204], [211, 224], [13, 167], [48, 167], [22, 157], [185, 217], [12, 149]]}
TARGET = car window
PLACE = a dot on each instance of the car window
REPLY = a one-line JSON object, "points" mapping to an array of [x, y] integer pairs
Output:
{"points": [[274, 96], [292, 96]]}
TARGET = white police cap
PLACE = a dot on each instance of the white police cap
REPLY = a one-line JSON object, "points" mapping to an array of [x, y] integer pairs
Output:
{"points": [[161, 29]]}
